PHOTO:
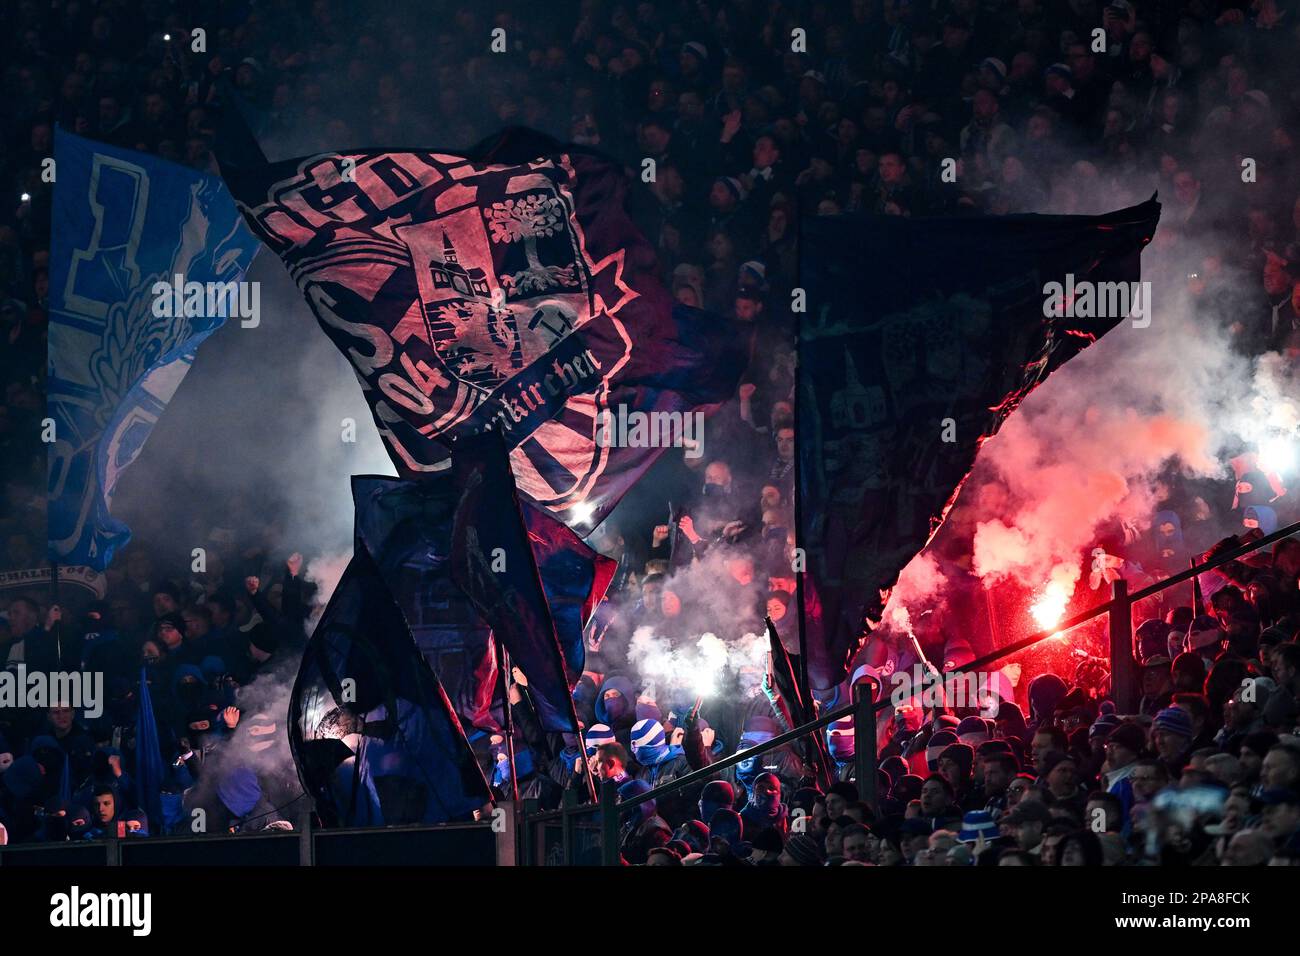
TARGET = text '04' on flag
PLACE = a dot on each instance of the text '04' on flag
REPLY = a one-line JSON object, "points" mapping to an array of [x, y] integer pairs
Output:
{"points": [[505, 288]]}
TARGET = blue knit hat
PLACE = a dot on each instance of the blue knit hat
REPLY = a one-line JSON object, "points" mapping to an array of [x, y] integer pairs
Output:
{"points": [[733, 186], [212, 667], [1061, 70], [973, 727], [596, 735], [696, 49], [648, 710], [976, 822], [648, 733], [758, 730], [839, 738], [1175, 720], [936, 745]]}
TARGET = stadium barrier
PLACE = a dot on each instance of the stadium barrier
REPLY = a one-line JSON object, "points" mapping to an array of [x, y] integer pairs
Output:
{"points": [[479, 843]]}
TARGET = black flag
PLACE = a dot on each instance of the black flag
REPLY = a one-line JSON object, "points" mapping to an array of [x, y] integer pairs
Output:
{"points": [[921, 336], [792, 709]]}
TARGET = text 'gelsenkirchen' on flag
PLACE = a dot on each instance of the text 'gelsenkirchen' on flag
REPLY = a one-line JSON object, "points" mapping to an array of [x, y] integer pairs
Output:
{"points": [[505, 288]]}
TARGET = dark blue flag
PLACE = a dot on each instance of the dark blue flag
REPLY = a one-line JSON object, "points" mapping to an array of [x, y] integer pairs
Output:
{"points": [[458, 538], [575, 579], [504, 288], [375, 738], [921, 337], [492, 560], [149, 767]]}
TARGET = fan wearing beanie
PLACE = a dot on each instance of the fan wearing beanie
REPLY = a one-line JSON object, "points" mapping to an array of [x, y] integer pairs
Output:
{"points": [[1171, 739], [801, 850], [659, 761]]}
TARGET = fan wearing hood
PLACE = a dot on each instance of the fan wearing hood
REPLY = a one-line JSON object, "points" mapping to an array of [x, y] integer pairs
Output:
{"points": [[1169, 551], [1259, 517], [841, 745], [765, 809], [758, 730], [531, 783], [616, 707], [565, 769], [24, 789], [109, 817], [197, 709], [641, 829], [64, 821]]}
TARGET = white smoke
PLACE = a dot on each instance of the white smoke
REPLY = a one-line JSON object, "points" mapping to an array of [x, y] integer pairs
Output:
{"points": [[699, 667]]}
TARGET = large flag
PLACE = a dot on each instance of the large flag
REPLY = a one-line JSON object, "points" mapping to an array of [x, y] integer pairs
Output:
{"points": [[149, 766], [375, 738], [504, 288], [492, 561], [460, 534], [121, 338], [922, 336]]}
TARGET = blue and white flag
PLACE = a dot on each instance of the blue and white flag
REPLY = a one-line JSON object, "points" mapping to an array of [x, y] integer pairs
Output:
{"points": [[148, 260]]}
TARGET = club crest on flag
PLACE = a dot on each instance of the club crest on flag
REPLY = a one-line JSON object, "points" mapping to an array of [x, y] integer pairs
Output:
{"points": [[490, 334], [504, 290]]}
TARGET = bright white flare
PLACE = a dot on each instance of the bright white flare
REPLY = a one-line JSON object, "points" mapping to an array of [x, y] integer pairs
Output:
{"points": [[1277, 456], [1048, 610]]}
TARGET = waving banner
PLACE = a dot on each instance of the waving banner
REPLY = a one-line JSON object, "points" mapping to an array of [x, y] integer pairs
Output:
{"points": [[922, 336], [506, 289], [146, 263]]}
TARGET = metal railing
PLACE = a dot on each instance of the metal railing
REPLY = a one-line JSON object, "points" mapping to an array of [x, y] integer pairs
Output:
{"points": [[863, 709], [478, 843]]}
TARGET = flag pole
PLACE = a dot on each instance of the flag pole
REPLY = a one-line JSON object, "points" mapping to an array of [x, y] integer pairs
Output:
{"points": [[1198, 602], [507, 720], [673, 517], [586, 766], [804, 685], [54, 602]]}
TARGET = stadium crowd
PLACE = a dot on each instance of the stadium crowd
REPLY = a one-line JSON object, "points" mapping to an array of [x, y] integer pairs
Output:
{"points": [[754, 113]]}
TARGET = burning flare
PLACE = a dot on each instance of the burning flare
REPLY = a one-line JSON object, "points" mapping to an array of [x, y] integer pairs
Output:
{"points": [[1048, 610]]}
